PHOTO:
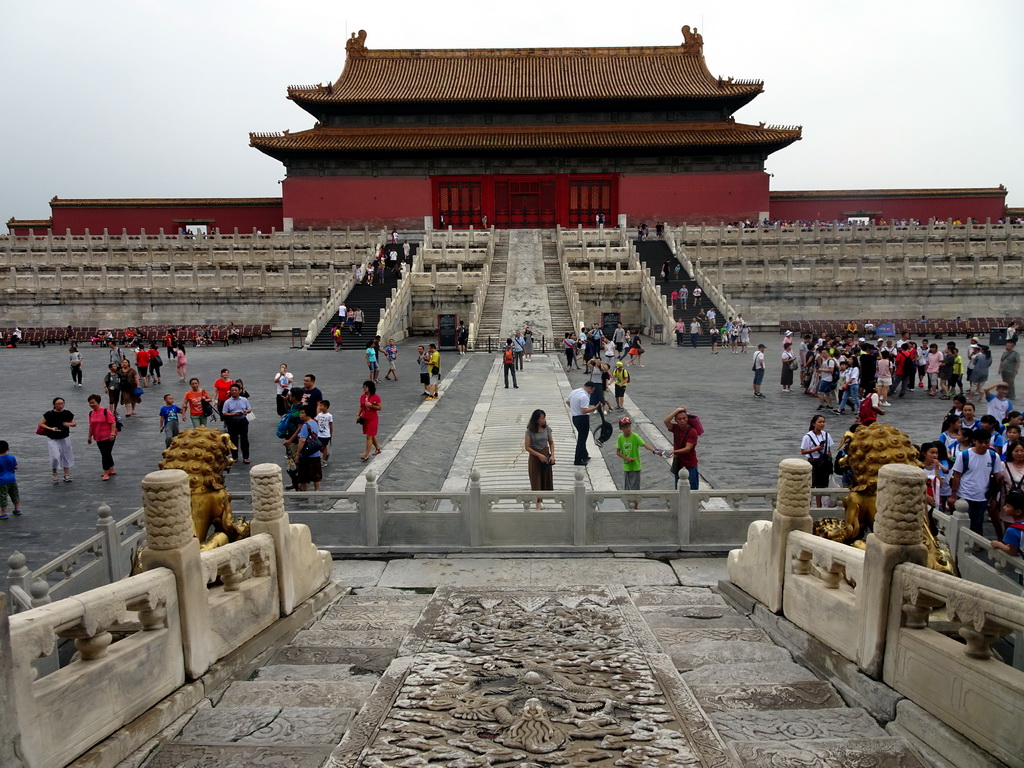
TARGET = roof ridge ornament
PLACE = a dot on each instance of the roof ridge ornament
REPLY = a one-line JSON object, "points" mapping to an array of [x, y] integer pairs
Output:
{"points": [[355, 46], [692, 41]]}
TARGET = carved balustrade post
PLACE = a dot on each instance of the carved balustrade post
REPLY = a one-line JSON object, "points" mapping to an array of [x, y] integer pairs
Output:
{"points": [[792, 513], [371, 510], [474, 513], [897, 538], [10, 737], [684, 512], [173, 545], [269, 516], [580, 512]]}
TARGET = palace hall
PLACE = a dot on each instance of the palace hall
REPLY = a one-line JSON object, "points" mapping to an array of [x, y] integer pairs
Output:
{"points": [[524, 138]]}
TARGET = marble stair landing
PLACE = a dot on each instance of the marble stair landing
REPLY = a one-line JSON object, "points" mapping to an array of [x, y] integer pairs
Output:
{"points": [[541, 674]]}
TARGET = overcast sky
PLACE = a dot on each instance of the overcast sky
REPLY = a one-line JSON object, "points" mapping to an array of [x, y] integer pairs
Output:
{"points": [[156, 98]]}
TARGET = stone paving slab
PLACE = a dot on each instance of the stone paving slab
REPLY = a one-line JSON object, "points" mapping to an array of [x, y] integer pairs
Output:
{"points": [[789, 724], [806, 695], [349, 694], [677, 620], [749, 674], [700, 571], [200, 756], [357, 573], [550, 572], [379, 639], [677, 635], [368, 659], [321, 672], [355, 612], [270, 726], [692, 655], [855, 753], [385, 596], [645, 596]]}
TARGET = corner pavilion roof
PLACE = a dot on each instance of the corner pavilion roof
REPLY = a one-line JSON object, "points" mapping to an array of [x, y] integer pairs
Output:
{"points": [[524, 75], [517, 138]]}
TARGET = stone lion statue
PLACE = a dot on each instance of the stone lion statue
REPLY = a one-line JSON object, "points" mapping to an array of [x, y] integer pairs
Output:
{"points": [[870, 449], [205, 454]]}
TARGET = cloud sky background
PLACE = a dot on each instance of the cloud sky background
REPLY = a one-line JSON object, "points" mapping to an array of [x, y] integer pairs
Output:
{"points": [[156, 99]]}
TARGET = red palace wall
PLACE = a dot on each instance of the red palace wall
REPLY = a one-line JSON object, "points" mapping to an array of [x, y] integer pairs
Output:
{"points": [[338, 202], [694, 197], [115, 218], [920, 208]]}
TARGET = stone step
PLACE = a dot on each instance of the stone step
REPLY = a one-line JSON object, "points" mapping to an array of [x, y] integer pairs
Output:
{"points": [[337, 694], [828, 753]]}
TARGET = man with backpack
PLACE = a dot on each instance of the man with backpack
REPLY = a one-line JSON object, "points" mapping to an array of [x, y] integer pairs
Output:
{"points": [[308, 448], [288, 431], [508, 362], [974, 470]]}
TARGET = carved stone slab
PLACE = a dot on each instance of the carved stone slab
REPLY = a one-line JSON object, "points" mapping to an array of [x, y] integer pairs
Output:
{"points": [[674, 596], [531, 677], [694, 617], [789, 724], [694, 655], [852, 753], [304, 693], [271, 726], [672, 636], [313, 638], [385, 596], [367, 659], [721, 698], [400, 613], [176, 755], [342, 625], [322, 672], [749, 674]]}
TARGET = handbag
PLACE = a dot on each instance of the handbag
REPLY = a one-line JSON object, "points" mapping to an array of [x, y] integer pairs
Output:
{"points": [[250, 416], [794, 365], [139, 391], [41, 430], [207, 408], [360, 420]]}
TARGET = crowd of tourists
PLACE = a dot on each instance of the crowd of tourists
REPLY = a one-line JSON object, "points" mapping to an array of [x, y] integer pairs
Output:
{"points": [[865, 377]]}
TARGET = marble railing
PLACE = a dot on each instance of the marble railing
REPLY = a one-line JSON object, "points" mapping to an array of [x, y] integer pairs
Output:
{"points": [[937, 230], [374, 520], [872, 607], [104, 557], [710, 287], [473, 237], [591, 237], [339, 291], [252, 277], [127, 677], [141, 638], [119, 250], [958, 682]]}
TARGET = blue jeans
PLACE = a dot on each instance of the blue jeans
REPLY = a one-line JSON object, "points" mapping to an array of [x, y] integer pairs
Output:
{"points": [[692, 475], [851, 393], [977, 510]]}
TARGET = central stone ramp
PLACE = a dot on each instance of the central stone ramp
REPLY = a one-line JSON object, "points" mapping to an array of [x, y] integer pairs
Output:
{"points": [[493, 442], [603, 676]]}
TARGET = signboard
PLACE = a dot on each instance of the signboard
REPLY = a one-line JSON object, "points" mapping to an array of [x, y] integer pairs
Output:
{"points": [[886, 330], [608, 322], [447, 331]]}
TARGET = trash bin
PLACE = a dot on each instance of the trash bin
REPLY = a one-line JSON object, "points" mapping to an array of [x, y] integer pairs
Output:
{"points": [[996, 337], [659, 334]]}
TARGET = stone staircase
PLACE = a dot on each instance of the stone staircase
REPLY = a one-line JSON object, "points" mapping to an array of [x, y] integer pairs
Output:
{"points": [[653, 254], [558, 304], [720, 691], [371, 299], [494, 301]]}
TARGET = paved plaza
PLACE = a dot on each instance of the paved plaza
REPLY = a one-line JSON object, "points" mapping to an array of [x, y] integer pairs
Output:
{"points": [[426, 445]]}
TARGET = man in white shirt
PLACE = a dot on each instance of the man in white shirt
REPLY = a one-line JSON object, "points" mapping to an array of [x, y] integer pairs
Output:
{"points": [[579, 408], [973, 471], [759, 371]]}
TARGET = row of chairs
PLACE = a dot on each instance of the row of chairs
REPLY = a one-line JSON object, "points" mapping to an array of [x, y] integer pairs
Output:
{"points": [[194, 335], [926, 328]]}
